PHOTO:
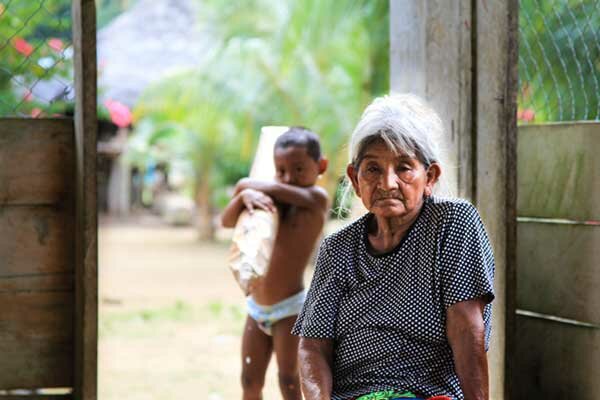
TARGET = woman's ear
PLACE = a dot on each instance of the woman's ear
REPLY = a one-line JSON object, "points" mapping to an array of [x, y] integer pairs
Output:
{"points": [[433, 175], [353, 176]]}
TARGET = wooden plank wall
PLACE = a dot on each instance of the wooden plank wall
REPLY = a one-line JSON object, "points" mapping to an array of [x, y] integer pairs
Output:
{"points": [[558, 321], [36, 253]]}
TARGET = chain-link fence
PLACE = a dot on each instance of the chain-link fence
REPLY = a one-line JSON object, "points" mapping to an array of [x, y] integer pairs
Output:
{"points": [[559, 60], [36, 68]]}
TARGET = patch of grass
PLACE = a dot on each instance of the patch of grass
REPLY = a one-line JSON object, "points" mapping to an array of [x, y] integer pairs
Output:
{"points": [[145, 322], [226, 318], [220, 310], [215, 308], [180, 311], [237, 313], [150, 322]]}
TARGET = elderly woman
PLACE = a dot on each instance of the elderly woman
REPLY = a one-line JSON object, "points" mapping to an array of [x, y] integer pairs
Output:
{"points": [[399, 305]]}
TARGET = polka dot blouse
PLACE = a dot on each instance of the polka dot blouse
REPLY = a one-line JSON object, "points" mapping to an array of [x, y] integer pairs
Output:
{"points": [[386, 314]]}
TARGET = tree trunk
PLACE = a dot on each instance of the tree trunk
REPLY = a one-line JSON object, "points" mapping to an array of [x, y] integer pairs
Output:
{"points": [[206, 228]]}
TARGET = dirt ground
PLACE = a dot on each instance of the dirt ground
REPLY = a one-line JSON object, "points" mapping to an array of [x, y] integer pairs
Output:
{"points": [[171, 315]]}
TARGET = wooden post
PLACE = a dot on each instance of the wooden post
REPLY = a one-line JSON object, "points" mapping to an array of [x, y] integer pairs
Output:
{"points": [[495, 110], [430, 55], [86, 245], [462, 57]]}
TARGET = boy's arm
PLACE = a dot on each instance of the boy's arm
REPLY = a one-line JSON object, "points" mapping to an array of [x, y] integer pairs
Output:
{"points": [[249, 199], [305, 197]]}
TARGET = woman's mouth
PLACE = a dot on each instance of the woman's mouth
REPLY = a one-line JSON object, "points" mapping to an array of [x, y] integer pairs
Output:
{"points": [[389, 199]]}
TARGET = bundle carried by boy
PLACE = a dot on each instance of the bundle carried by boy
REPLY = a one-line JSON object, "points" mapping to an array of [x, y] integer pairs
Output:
{"points": [[254, 233]]}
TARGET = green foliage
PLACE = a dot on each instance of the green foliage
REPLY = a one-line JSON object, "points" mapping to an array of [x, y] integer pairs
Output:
{"points": [[107, 10], [34, 40], [559, 60], [312, 62]]}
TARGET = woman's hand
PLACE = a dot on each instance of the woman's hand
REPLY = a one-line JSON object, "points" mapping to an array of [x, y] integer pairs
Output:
{"points": [[315, 358], [466, 335], [254, 199]]}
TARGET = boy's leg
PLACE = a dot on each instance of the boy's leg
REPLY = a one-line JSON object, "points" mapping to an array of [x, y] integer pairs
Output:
{"points": [[286, 351], [257, 347]]}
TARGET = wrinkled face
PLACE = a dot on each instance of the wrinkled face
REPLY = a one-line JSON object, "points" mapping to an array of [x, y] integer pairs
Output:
{"points": [[294, 166], [390, 184]]}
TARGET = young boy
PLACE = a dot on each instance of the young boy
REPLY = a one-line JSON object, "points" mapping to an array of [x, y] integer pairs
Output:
{"points": [[276, 298]]}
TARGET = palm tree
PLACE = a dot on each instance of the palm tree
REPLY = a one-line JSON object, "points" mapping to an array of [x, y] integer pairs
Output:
{"points": [[314, 63], [176, 115]]}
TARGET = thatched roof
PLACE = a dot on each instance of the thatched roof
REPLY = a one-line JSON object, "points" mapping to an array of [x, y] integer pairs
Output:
{"points": [[142, 45]]}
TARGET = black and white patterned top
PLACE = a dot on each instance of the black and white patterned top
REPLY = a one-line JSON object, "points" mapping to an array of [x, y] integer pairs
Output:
{"points": [[387, 313]]}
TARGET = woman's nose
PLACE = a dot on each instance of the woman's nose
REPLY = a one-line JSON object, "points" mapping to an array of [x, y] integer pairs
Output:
{"points": [[390, 179]]}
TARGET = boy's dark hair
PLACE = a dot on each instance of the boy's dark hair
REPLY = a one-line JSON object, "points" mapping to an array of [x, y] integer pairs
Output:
{"points": [[299, 136]]}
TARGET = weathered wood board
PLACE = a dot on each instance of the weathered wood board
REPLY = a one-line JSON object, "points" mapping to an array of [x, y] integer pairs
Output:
{"points": [[37, 283], [559, 171], [36, 338], [559, 270], [36, 253], [35, 240], [85, 357], [36, 161], [556, 361], [494, 150], [430, 55]]}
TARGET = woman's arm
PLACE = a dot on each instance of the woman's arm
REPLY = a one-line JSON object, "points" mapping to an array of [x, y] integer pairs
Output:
{"points": [[315, 358], [466, 334], [305, 197]]}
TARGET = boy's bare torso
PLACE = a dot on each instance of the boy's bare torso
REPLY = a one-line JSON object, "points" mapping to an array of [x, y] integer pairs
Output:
{"points": [[298, 232]]}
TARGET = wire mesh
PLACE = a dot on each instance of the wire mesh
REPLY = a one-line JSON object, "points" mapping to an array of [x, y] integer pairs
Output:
{"points": [[36, 53], [559, 60]]}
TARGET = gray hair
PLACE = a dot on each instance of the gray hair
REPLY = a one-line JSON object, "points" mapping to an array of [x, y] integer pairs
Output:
{"points": [[407, 125], [404, 122]]}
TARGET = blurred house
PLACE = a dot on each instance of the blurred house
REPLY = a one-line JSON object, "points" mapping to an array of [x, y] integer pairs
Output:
{"points": [[138, 48]]}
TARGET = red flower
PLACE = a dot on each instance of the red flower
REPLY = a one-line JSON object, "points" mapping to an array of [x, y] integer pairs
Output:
{"points": [[22, 46], [119, 113], [528, 115], [28, 96], [36, 112], [56, 44]]}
